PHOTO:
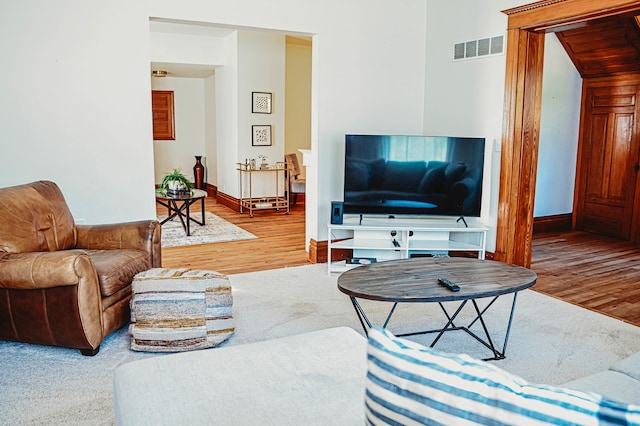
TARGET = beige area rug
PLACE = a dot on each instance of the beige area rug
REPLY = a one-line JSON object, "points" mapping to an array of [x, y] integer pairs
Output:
{"points": [[215, 230], [551, 342]]}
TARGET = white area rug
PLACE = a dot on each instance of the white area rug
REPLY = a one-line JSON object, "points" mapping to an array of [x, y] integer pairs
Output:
{"points": [[216, 230], [551, 342]]}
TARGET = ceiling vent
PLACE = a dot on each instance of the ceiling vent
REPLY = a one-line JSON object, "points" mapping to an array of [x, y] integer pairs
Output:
{"points": [[478, 48]]}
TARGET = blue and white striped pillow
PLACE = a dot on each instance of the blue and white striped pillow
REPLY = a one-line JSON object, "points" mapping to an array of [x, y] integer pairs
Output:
{"points": [[410, 384]]}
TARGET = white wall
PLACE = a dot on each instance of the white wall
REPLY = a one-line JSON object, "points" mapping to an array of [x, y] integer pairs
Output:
{"points": [[368, 71], [174, 48], [75, 109], [261, 60], [210, 159], [367, 78], [189, 112], [257, 65], [559, 128], [465, 98], [191, 53], [75, 105]]}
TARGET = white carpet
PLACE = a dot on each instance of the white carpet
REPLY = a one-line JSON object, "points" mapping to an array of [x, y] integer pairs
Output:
{"points": [[215, 230], [550, 342]]}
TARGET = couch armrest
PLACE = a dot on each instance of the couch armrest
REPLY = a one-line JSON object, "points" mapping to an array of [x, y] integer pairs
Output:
{"points": [[40, 270], [141, 235], [64, 308]]}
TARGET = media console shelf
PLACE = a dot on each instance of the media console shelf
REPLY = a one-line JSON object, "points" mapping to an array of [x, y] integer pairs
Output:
{"points": [[374, 239]]}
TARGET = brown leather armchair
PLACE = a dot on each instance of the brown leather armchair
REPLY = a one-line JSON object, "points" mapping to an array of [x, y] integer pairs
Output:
{"points": [[64, 284]]}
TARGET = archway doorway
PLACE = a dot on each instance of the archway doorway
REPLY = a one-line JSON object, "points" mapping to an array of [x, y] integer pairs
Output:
{"points": [[526, 29]]}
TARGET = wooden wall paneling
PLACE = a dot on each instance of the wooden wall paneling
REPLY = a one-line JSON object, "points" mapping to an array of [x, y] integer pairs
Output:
{"points": [[317, 251], [212, 190], [554, 223], [228, 201], [604, 47]]}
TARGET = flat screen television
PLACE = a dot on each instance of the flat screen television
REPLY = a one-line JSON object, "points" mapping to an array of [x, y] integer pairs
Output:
{"points": [[413, 175]]}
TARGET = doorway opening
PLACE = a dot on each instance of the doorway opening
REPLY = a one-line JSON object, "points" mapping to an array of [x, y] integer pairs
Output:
{"points": [[214, 120], [525, 47]]}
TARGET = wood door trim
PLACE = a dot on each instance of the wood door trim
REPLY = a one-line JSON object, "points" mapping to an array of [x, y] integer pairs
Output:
{"points": [[519, 146], [521, 118], [558, 14]]}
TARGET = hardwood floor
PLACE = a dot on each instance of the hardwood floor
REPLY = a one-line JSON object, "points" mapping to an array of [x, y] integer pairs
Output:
{"points": [[593, 271], [280, 242]]}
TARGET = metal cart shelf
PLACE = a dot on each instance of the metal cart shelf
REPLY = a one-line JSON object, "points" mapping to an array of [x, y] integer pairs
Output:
{"points": [[277, 201]]}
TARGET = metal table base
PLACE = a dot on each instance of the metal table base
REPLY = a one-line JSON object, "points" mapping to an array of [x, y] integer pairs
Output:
{"points": [[182, 212], [487, 341]]}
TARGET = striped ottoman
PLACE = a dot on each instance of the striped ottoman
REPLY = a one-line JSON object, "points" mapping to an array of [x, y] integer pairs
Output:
{"points": [[175, 310]]}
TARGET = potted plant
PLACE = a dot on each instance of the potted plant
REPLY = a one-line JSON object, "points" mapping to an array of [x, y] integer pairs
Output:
{"points": [[176, 183]]}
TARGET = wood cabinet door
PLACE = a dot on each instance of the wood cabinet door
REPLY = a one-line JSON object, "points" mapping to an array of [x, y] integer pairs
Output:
{"points": [[163, 116], [608, 161]]}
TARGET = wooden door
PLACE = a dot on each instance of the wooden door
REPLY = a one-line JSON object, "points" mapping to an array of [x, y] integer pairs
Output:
{"points": [[608, 161]]}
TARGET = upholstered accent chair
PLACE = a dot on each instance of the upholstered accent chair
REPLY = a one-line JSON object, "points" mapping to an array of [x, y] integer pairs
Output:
{"points": [[296, 185], [64, 284]]}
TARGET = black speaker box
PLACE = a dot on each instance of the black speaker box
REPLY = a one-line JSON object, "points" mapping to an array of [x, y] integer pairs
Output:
{"points": [[336, 212]]}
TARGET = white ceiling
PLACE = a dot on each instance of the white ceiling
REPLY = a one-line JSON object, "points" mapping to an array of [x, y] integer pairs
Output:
{"points": [[183, 70], [188, 28], [191, 28]]}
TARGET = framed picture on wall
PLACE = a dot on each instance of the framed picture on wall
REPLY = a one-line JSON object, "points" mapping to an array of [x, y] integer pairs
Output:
{"points": [[261, 135], [261, 102]]}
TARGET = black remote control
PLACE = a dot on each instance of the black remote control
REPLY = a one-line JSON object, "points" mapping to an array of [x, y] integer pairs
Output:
{"points": [[445, 282]]}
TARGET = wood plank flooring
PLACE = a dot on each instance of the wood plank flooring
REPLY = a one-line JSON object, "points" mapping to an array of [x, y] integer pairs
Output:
{"points": [[592, 271], [280, 242]]}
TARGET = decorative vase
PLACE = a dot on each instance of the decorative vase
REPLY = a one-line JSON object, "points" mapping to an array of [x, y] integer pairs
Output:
{"points": [[198, 173]]}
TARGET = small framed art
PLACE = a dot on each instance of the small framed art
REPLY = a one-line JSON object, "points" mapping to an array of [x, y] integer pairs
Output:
{"points": [[261, 135], [261, 102]]}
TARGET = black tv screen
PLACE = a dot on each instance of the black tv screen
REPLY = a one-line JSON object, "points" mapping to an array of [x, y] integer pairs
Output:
{"points": [[415, 175]]}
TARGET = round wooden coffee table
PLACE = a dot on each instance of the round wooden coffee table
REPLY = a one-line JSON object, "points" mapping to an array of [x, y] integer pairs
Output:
{"points": [[416, 281]]}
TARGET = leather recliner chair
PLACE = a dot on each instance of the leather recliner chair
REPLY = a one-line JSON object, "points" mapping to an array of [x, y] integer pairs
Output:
{"points": [[64, 284]]}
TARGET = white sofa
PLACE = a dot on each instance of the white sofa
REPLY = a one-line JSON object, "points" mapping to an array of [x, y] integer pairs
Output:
{"points": [[315, 378]]}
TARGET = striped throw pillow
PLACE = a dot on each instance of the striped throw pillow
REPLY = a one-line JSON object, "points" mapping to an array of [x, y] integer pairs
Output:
{"points": [[410, 384]]}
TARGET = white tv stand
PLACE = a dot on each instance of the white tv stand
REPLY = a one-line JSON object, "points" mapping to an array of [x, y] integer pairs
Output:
{"points": [[373, 239]]}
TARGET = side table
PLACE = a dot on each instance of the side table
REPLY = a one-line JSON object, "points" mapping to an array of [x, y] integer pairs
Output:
{"points": [[178, 206]]}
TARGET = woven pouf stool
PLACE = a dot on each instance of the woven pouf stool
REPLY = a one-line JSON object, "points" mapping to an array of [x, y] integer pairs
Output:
{"points": [[174, 310]]}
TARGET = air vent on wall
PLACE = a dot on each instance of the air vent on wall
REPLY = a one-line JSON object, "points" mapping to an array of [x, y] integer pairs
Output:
{"points": [[488, 46]]}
